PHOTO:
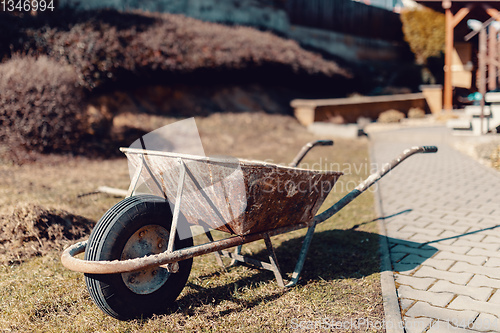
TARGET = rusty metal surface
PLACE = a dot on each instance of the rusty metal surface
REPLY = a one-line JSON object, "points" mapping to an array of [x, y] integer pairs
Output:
{"points": [[122, 266], [237, 196]]}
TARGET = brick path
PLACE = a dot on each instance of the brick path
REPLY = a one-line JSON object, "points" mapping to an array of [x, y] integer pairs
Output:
{"points": [[443, 227]]}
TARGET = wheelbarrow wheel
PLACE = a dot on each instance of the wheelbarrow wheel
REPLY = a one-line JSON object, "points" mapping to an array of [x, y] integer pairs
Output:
{"points": [[135, 227]]}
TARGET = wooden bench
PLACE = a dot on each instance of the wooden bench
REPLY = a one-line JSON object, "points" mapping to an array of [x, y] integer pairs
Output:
{"points": [[348, 110]]}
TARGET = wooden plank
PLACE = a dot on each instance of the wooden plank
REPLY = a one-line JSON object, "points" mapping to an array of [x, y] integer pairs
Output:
{"points": [[297, 103]]}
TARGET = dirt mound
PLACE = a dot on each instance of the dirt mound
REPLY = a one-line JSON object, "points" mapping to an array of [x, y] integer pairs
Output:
{"points": [[32, 230]]}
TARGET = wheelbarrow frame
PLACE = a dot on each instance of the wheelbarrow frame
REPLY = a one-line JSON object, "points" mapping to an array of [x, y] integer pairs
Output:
{"points": [[171, 256]]}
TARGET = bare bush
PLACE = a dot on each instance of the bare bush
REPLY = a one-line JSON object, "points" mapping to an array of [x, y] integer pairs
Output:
{"points": [[416, 113], [40, 105], [107, 45], [391, 116], [495, 158]]}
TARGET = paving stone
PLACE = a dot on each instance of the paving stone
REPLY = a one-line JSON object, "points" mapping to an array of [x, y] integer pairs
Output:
{"points": [[440, 326], [479, 245], [492, 272], [486, 218], [492, 262], [394, 227], [450, 234], [467, 303], [437, 299], [424, 309], [491, 240], [495, 299], [424, 252], [475, 260], [483, 281], [415, 282], [438, 264], [399, 235], [468, 222], [407, 269], [418, 260], [458, 249], [486, 323], [404, 240], [424, 224], [450, 214], [458, 229], [431, 232], [423, 239], [492, 219], [417, 325], [396, 257], [486, 253], [446, 219], [478, 293], [405, 303], [458, 278], [476, 237]]}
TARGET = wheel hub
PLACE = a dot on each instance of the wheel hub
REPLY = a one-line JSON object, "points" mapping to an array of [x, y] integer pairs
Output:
{"points": [[148, 240]]}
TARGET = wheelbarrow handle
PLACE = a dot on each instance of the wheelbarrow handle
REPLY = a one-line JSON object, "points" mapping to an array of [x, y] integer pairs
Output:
{"points": [[307, 147], [372, 179], [429, 149]]}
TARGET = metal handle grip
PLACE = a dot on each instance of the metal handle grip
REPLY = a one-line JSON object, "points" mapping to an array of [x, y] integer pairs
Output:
{"points": [[324, 143], [307, 147], [429, 149]]}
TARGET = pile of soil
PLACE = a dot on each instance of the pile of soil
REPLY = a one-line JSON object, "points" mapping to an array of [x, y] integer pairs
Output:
{"points": [[32, 230]]}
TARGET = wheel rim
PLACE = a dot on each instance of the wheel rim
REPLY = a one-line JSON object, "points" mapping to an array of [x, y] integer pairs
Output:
{"points": [[148, 240]]}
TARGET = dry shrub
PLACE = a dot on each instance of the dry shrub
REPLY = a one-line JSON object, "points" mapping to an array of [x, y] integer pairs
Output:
{"points": [[41, 108], [443, 117], [32, 230], [107, 46], [495, 158], [416, 113], [424, 30], [391, 116], [73, 54]]}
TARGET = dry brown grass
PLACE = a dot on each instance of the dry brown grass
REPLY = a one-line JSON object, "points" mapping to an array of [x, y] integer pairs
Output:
{"points": [[340, 279], [495, 158]]}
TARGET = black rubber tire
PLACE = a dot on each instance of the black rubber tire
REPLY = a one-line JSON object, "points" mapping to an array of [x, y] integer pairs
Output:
{"points": [[107, 241]]}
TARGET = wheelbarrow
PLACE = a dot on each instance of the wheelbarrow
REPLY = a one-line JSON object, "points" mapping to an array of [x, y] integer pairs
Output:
{"points": [[139, 255]]}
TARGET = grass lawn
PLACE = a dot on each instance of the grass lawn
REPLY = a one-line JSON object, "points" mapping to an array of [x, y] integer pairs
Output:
{"points": [[340, 280]]}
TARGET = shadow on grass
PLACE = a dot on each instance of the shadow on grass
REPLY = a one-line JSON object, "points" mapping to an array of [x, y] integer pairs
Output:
{"points": [[333, 255]]}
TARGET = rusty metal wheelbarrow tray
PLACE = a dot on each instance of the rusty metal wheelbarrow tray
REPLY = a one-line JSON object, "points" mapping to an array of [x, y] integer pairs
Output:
{"points": [[236, 196]]}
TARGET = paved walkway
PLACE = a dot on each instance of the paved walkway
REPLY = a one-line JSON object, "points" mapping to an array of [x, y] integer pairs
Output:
{"points": [[443, 227]]}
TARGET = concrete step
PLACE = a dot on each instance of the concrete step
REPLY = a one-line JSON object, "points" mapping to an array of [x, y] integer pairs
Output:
{"points": [[459, 124], [492, 97], [475, 110]]}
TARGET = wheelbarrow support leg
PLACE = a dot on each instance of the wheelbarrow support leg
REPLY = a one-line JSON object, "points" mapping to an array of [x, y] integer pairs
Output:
{"points": [[218, 254], [237, 252], [273, 260], [302, 256], [174, 267]]}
